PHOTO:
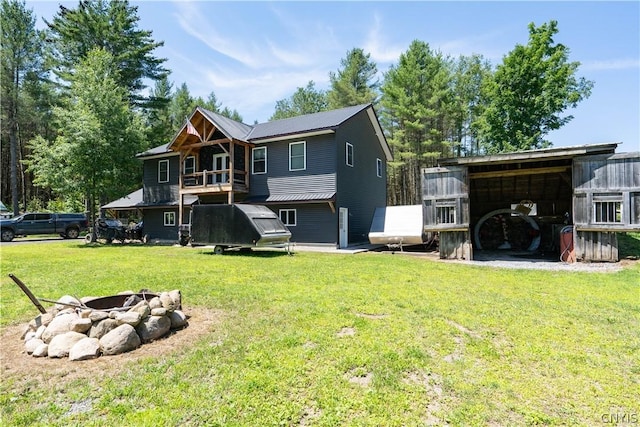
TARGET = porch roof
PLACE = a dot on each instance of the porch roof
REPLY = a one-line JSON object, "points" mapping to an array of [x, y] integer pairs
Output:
{"points": [[293, 197]]}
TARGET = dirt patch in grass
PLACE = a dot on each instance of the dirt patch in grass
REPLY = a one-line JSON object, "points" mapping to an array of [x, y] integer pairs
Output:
{"points": [[16, 364]]}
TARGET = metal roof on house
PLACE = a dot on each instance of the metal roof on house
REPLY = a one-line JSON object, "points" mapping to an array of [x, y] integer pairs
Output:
{"points": [[308, 124], [324, 120], [135, 200], [293, 197], [230, 128], [156, 151]]}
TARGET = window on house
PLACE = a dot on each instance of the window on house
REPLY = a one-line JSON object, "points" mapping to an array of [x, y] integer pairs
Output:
{"points": [[607, 208], [163, 171], [297, 156], [446, 212], [379, 168], [189, 165], [288, 217], [349, 154], [169, 219], [259, 160]]}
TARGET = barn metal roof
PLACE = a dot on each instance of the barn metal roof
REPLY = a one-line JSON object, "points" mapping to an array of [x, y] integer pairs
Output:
{"points": [[533, 155]]}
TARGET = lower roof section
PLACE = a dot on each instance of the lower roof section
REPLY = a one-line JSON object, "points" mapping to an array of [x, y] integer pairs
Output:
{"points": [[292, 198]]}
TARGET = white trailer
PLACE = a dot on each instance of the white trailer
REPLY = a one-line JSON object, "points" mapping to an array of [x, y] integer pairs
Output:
{"points": [[397, 226]]}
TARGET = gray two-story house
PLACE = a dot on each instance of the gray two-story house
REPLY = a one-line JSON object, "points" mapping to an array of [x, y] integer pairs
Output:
{"points": [[323, 174]]}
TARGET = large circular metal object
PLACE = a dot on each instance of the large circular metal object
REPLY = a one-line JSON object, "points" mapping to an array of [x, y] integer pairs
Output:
{"points": [[535, 242]]}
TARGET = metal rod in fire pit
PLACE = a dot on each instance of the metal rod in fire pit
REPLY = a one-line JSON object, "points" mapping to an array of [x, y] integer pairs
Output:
{"points": [[26, 290]]}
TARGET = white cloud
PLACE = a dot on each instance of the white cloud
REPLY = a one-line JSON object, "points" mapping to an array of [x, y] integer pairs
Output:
{"points": [[611, 64], [254, 95], [375, 45], [194, 22]]}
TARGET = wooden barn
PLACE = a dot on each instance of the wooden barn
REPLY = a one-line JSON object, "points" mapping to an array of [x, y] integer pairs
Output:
{"points": [[568, 202]]}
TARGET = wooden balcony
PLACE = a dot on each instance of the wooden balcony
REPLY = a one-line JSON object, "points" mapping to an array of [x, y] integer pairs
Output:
{"points": [[214, 182]]}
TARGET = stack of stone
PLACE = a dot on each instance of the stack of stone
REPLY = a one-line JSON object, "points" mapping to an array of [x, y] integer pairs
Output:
{"points": [[71, 330]]}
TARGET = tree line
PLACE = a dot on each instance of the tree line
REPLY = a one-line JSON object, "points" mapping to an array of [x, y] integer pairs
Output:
{"points": [[75, 109]]}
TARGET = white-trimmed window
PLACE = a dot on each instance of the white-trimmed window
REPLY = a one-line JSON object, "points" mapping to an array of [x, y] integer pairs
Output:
{"points": [[189, 165], [607, 208], [349, 154], [379, 168], [288, 217], [297, 156], [169, 219], [163, 171], [259, 160]]}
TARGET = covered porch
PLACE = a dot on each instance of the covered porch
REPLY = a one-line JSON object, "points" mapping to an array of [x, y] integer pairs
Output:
{"points": [[214, 157]]}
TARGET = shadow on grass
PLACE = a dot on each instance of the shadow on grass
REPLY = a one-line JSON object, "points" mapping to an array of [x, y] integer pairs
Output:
{"points": [[249, 253], [99, 245]]}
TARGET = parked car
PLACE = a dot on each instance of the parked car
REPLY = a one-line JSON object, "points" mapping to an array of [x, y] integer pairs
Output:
{"points": [[67, 225]]}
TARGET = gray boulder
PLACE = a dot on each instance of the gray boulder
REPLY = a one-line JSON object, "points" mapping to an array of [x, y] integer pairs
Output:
{"points": [[81, 325], [87, 348], [129, 317], [103, 327], [31, 345], [178, 319], [41, 351], [97, 316], [120, 340], [59, 325], [60, 345], [153, 327]]}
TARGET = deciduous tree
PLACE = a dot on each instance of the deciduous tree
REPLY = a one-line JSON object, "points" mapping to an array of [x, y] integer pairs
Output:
{"points": [[99, 136], [529, 92]]}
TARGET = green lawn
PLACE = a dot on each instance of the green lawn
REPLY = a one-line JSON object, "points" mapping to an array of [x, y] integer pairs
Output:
{"points": [[371, 339]]}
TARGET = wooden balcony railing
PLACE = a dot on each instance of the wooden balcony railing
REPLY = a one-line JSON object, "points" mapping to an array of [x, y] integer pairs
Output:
{"points": [[204, 179]]}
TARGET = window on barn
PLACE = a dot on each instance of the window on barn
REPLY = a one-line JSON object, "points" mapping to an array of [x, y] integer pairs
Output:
{"points": [[169, 219], [607, 208], [349, 154], [297, 156], [379, 168], [288, 217], [163, 171], [446, 211], [259, 160]]}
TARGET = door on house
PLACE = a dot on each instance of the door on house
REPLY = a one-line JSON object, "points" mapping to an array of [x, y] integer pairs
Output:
{"points": [[343, 226], [220, 168]]}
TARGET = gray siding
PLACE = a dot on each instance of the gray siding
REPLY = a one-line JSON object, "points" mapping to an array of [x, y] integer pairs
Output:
{"points": [[318, 177], [316, 223], [359, 188], [154, 224], [158, 193]]}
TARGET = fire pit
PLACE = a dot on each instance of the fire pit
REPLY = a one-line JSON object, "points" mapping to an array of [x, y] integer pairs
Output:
{"points": [[87, 328]]}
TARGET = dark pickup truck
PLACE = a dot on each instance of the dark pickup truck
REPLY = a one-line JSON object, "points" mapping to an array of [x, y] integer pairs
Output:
{"points": [[67, 225]]}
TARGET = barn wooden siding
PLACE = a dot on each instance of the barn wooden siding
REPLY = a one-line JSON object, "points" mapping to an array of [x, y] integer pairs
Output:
{"points": [[596, 246], [455, 245], [614, 178], [445, 195]]}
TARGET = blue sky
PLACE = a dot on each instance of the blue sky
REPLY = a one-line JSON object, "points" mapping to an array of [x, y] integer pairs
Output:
{"points": [[252, 54]]}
